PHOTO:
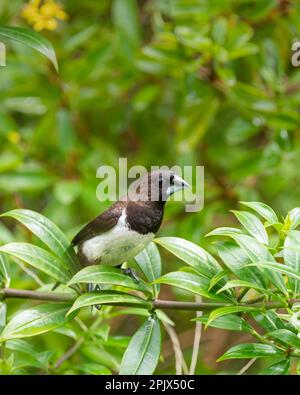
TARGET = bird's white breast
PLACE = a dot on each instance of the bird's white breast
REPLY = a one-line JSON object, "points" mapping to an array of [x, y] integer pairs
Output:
{"points": [[117, 245]]}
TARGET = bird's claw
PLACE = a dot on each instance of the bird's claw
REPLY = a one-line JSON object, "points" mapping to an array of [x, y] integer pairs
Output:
{"points": [[96, 288], [132, 274]]}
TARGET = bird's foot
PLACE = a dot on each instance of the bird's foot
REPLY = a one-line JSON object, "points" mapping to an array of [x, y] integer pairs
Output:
{"points": [[132, 274], [95, 288], [57, 284]]}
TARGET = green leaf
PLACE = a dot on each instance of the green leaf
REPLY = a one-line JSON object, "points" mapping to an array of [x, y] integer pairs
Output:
{"points": [[236, 260], [251, 350], [191, 254], [224, 231], [219, 29], [287, 337], [4, 275], [21, 346], [229, 310], [269, 320], [31, 39], [80, 38], [190, 282], [36, 360], [40, 259], [229, 322], [253, 248], [258, 252], [142, 354], [48, 233], [3, 313], [294, 217], [93, 369], [149, 263], [291, 253], [218, 277], [277, 267], [101, 356], [126, 19], [294, 320], [264, 210], [100, 274], [108, 297], [161, 315], [36, 320], [278, 368], [67, 191], [240, 283], [252, 225], [25, 180], [7, 366], [6, 235]]}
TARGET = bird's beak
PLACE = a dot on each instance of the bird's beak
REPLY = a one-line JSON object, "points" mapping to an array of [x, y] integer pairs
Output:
{"points": [[178, 185]]}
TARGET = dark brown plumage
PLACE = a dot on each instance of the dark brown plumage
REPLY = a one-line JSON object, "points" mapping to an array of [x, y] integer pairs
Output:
{"points": [[124, 229]]}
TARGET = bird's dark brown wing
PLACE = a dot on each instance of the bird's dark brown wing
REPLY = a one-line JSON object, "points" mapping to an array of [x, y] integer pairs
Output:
{"points": [[100, 224]]}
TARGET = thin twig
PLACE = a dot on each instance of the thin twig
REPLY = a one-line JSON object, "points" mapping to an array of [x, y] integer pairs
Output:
{"points": [[69, 353], [180, 364], [79, 342], [247, 366], [81, 324], [31, 274], [10, 293], [197, 339]]}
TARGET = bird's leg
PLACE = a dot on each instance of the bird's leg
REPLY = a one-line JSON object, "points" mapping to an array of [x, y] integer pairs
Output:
{"points": [[92, 287], [132, 274], [129, 272], [96, 288], [57, 284]]}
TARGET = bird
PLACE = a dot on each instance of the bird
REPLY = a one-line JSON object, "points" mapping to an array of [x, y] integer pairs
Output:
{"points": [[122, 231]]}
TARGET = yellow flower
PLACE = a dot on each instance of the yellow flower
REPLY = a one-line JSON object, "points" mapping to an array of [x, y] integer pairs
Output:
{"points": [[14, 137], [43, 14]]}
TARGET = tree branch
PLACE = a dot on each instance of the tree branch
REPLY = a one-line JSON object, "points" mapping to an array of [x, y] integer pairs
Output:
{"points": [[10, 293]]}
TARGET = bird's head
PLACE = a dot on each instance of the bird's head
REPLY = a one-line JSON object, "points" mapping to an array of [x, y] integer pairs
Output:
{"points": [[156, 186]]}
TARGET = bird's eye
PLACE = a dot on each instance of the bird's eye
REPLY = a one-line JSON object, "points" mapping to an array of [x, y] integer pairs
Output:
{"points": [[172, 179]]}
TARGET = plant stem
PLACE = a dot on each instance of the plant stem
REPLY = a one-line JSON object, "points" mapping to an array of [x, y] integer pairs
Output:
{"points": [[247, 366], [69, 353], [197, 338], [10, 293], [180, 363]]}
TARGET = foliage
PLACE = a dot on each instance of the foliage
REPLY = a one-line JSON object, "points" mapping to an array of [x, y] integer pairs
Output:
{"points": [[161, 82], [253, 279]]}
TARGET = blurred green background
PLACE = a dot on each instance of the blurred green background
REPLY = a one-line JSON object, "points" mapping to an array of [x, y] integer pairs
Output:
{"points": [[161, 82]]}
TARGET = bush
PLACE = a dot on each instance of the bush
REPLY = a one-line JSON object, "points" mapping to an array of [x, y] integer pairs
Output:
{"points": [[251, 287], [164, 82]]}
